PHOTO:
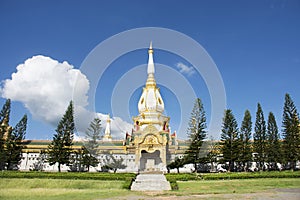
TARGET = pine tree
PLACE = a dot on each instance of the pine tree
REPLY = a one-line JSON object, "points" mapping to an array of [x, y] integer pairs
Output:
{"points": [[88, 159], [93, 135], [291, 132], [196, 133], [5, 130], [5, 112], [245, 137], [260, 137], [14, 145], [212, 156], [59, 151], [273, 147], [229, 139]]}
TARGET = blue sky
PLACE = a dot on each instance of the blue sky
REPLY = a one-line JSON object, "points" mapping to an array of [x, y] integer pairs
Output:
{"points": [[254, 44]]}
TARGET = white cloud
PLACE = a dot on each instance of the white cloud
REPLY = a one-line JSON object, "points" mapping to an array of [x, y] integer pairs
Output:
{"points": [[46, 86], [184, 69], [118, 125]]}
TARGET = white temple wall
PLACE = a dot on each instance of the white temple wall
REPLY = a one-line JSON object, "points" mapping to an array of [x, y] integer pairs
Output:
{"points": [[30, 159]]}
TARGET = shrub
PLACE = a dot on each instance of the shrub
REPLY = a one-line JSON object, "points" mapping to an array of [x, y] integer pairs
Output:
{"points": [[182, 177], [67, 175], [250, 175], [174, 185], [127, 183], [173, 182]]}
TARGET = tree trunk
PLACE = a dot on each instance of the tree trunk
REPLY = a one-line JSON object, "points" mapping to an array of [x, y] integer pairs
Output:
{"points": [[178, 170], [212, 167], [230, 168], [260, 166], [246, 166], [58, 167], [293, 165], [8, 165]]}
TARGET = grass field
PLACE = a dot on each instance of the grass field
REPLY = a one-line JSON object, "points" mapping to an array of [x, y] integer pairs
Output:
{"points": [[52, 189], [235, 186]]}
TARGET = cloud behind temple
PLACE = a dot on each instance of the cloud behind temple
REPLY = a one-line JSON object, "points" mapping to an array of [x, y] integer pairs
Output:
{"points": [[46, 86]]}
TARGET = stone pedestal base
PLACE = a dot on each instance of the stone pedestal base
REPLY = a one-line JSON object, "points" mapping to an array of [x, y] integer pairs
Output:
{"points": [[150, 182]]}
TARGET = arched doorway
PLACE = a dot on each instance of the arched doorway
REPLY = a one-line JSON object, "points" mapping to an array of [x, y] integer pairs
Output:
{"points": [[150, 161]]}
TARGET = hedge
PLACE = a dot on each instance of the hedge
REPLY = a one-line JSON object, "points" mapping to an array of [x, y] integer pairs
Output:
{"points": [[173, 178], [249, 175], [68, 175]]}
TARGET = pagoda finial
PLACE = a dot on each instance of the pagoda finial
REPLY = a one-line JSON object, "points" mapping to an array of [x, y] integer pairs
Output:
{"points": [[151, 69]]}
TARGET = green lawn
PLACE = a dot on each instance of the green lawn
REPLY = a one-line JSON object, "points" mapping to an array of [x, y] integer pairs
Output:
{"points": [[46, 189], [235, 186]]}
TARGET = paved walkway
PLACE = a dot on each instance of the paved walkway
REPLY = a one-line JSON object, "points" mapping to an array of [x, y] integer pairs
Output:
{"points": [[150, 182]]}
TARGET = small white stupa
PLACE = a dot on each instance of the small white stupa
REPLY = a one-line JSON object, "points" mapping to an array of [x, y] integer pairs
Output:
{"points": [[107, 135]]}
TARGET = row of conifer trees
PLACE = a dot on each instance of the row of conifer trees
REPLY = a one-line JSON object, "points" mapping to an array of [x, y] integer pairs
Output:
{"points": [[240, 147], [60, 151]]}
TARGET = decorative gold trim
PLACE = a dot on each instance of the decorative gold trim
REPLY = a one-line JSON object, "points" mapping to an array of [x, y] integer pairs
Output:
{"points": [[150, 51]]}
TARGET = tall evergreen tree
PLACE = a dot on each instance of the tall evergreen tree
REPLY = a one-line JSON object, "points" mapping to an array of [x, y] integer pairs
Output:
{"points": [[93, 135], [5, 130], [245, 137], [273, 146], [260, 137], [291, 132], [229, 139], [196, 133], [88, 159], [5, 112], [59, 151], [212, 156], [14, 145], [90, 149]]}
